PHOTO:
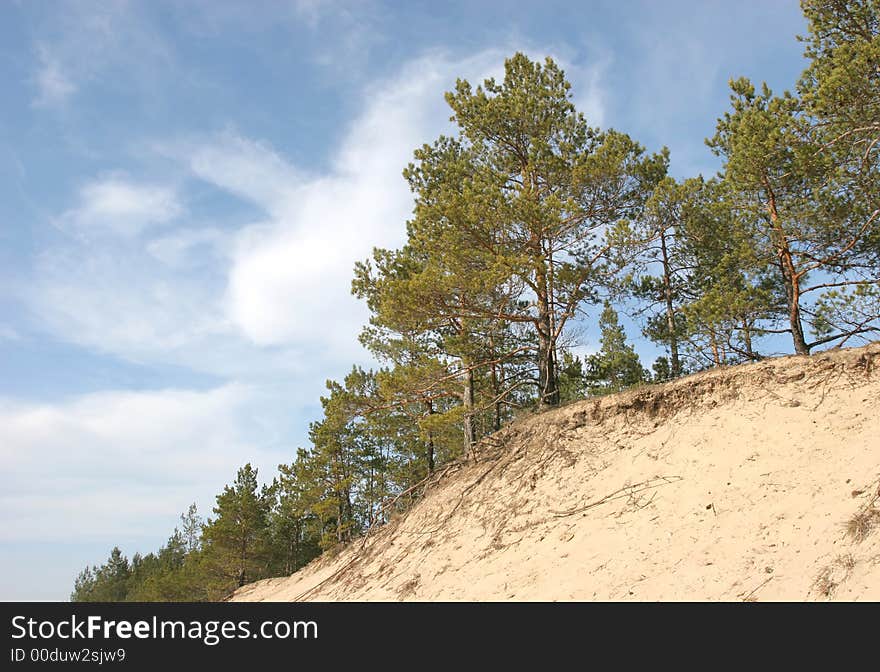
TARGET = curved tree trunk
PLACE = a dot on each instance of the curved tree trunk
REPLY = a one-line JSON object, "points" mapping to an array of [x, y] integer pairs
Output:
{"points": [[790, 278]]}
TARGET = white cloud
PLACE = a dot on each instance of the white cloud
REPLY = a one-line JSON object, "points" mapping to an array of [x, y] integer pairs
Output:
{"points": [[290, 279], [273, 291], [589, 94], [114, 300], [180, 248], [123, 464], [118, 205], [291, 276], [158, 301], [53, 84], [246, 168]]}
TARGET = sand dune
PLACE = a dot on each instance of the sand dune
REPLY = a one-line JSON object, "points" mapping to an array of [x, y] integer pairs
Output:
{"points": [[757, 482]]}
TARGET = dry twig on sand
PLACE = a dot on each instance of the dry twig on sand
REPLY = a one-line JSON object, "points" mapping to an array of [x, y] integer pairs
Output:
{"points": [[625, 491], [748, 598]]}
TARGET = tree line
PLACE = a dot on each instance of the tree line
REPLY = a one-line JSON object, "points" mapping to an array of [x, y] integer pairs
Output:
{"points": [[527, 222]]}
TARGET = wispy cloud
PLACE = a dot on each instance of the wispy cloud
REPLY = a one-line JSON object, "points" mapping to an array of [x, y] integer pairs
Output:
{"points": [[180, 249], [119, 299], [54, 85], [153, 299], [81, 42], [121, 206], [246, 168]]}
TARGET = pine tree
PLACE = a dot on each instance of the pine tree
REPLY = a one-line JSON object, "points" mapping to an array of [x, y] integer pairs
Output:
{"points": [[294, 528], [84, 585], [335, 463], [795, 202], [509, 214], [730, 296], [662, 370], [572, 379], [237, 539], [841, 91], [424, 376], [107, 583], [653, 247], [417, 397], [616, 366], [191, 528], [425, 325]]}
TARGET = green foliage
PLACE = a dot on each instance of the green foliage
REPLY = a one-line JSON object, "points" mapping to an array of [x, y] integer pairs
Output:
{"points": [[509, 215], [209, 568], [171, 574], [107, 583], [802, 171], [730, 293], [294, 527], [662, 370], [841, 91], [654, 247], [237, 540], [847, 310], [841, 86], [572, 378], [616, 367], [192, 527]]}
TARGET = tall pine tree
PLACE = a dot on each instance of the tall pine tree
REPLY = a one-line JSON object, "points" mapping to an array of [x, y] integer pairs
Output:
{"points": [[237, 539]]}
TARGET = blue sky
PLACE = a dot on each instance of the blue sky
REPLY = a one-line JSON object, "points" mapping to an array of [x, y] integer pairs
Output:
{"points": [[185, 186]]}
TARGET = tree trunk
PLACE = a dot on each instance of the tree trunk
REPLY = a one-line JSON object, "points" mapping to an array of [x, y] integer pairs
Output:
{"points": [[430, 453], [548, 380], [467, 399], [242, 572], [496, 391], [548, 385], [747, 339], [496, 387], [714, 344], [790, 278], [429, 449], [670, 310], [348, 517], [370, 495], [793, 296]]}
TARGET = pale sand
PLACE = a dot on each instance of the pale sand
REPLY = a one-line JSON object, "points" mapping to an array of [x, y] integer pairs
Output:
{"points": [[731, 485]]}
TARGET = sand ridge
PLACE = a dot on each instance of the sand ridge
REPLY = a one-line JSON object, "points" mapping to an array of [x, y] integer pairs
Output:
{"points": [[733, 484]]}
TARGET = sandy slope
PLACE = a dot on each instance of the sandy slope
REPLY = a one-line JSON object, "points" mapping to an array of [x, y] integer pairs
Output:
{"points": [[729, 485]]}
